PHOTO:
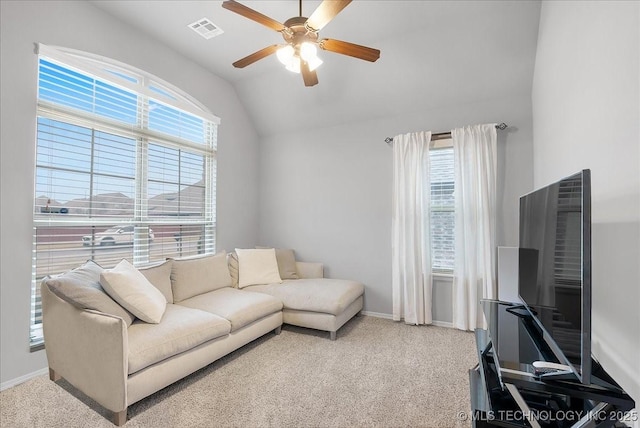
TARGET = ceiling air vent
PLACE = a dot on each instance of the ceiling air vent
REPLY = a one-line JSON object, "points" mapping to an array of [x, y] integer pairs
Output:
{"points": [[206, 28]]}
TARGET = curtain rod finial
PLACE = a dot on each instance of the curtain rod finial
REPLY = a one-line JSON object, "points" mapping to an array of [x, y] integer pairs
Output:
{"points": [[502, 126]]}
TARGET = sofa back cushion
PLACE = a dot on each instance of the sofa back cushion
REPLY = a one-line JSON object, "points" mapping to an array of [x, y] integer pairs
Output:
{"points": [[197, 275], [81, 288], [286, 263], [257, 266], [286, 259], [134, 292], [160, 276]]}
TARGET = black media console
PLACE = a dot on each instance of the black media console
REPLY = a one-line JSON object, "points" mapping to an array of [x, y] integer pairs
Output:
{"points": [[507, 391]]}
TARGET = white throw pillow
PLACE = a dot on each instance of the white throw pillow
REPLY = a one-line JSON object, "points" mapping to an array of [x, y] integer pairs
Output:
{"points": [[257, 267], [127, 286]]}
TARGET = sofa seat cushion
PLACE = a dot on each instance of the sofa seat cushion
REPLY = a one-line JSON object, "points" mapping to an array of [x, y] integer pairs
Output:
{"points": [[179, 330], [240, 307], [330, 296]]}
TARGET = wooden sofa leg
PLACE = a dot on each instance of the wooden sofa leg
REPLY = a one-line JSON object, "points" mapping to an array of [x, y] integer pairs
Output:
{"points": [[119, 418], [332, 335], [278, 330], [53, 375]]}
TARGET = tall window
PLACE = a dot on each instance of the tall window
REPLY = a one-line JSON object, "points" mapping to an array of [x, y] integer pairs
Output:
{"points": [[125, 168], [442, 207]]}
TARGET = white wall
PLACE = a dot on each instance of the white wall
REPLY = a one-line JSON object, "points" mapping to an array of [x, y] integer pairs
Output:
{"points": [[326, 192], [81, 26], [586, 115]]}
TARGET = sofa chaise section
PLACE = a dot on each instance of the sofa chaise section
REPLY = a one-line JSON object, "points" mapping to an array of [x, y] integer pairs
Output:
{"points": [[310, 300], [318, 303]]}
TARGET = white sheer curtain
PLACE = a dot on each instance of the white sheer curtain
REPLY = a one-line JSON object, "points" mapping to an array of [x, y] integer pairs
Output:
{"points": [[411, 258], [475, 155]]}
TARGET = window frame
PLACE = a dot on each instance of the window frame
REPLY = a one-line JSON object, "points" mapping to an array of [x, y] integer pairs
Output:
{"points": [[148, 89]]}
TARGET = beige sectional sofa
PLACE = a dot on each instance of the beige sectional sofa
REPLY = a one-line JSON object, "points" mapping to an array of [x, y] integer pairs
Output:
{"points": [[117, 359]]}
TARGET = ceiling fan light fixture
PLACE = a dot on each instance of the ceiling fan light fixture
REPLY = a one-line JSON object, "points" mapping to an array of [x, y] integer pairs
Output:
{"points": [[308, 51], [314, 63], [285, 54], [291, 58], [294, 64]]}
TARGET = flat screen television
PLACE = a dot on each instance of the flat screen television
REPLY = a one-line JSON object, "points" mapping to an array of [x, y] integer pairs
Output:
{"points": [[554, 275]]}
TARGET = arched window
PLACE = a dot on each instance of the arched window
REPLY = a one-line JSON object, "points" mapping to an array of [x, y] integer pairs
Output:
{"points": [[125, 168]]}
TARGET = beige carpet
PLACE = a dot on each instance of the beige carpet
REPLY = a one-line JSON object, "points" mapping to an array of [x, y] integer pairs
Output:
{"points": [[378, 373]]}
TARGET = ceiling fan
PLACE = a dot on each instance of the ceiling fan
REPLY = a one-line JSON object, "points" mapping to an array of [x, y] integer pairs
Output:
{"points": [[299, 53]]}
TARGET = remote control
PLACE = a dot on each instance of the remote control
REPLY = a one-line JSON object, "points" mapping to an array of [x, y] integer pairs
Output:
{"points": [[543, 367], [547, 366]]}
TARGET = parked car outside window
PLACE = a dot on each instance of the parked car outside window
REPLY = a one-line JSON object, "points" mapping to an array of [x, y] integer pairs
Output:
{"points": [[116, 235]]}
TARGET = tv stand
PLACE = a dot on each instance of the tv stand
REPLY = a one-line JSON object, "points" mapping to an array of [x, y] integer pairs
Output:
{"points": [[506, 391], [519, 311]]}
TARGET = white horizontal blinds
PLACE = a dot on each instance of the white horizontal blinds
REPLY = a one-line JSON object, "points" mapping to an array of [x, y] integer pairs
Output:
{"points": [[180, 240], [63, 165], [121, 171], [82, 172], [65, 87], [442, 209], [171, 121], [61, 248], [176, 183], [126, 77], [178, 188], [568, 248]]}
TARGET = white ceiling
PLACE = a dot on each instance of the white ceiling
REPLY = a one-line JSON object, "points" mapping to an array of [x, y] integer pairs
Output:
{"points": [[433, 53]]}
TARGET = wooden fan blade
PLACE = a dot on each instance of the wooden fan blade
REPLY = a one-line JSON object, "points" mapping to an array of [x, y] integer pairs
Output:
{"points": [[310, 77], [327, 10], [350, 49], [247, 12], [250, 59]]}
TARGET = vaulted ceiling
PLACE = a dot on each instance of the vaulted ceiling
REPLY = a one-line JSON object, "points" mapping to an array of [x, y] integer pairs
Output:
{"points": [[433, 53]]}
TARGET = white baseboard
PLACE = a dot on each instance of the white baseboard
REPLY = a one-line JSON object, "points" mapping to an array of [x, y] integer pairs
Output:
{"points": [[442, 324], [390, 317], [17, 381], [377, 315]]}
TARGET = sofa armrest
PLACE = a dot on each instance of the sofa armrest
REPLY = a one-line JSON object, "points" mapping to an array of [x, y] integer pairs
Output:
{"points": [[310, 270], [88, 348]]}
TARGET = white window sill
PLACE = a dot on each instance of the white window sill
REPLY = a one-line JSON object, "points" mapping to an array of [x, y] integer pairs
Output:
{"points": [[443, 275]]}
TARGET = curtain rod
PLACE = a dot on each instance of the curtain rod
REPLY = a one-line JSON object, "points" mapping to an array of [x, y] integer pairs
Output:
{"points": [[445, 135]]}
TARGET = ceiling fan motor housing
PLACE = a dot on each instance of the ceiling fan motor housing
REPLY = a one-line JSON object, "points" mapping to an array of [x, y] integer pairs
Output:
{"points": [[298, 32]]}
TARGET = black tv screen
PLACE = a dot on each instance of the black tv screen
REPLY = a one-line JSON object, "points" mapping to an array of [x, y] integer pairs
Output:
{"points": [[554, 275]]}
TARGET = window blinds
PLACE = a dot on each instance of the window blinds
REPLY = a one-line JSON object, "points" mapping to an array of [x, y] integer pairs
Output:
{"points": [[442, 209], [122, 170]]}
